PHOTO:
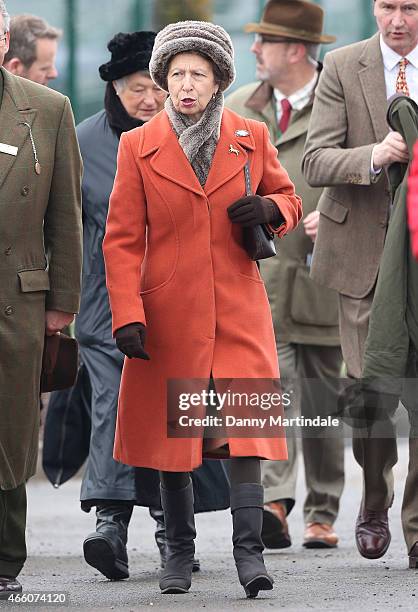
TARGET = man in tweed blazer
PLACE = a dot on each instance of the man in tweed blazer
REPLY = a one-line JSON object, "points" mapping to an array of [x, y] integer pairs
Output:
{"points": [[348, 147], [40, 269]]}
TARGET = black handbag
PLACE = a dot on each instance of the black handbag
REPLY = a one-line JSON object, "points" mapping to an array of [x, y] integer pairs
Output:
{"points": [[258, 240]]}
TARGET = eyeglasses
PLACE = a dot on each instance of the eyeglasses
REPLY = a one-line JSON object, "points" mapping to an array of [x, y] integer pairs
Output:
{"points": [[3, 38], [265, 38]]}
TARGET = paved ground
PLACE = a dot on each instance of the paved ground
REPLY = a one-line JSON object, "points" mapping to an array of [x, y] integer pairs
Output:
{"points": [[322, 580]]}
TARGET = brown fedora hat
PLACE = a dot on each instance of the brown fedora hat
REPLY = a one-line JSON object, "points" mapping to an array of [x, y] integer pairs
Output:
{"points": [[293, 19]]}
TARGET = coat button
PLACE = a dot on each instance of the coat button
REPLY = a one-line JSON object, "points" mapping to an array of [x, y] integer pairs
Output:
{"points": [[8, 311], [25, 190], [8, 251]]}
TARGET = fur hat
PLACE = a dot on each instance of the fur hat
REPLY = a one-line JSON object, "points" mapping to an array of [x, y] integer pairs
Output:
{"points": [[130, 53], [198, 36]]}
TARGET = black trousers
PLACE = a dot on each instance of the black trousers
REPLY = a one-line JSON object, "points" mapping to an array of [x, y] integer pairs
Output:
{"points": [[12, 531]]}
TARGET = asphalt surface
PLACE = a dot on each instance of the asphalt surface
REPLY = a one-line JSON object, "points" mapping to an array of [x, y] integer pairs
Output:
{"points": [[337, 579]]}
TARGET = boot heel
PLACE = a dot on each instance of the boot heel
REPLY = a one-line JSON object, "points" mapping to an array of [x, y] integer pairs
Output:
{"points": [[247, 519], [99, 553], [413, 562], [259, 583]]}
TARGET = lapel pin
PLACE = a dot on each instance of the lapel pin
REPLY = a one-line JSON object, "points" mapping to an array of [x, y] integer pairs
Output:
{"points": [[242, 133], [232, 150]]}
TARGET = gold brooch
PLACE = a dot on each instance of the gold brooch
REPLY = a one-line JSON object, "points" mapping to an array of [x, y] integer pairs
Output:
{"points": [[232, 150]]}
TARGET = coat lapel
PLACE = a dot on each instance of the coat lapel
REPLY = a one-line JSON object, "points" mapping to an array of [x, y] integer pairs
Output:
{"points": [[15, 111], [372, 79], [262, 101], [231, 152], [169, 160]]}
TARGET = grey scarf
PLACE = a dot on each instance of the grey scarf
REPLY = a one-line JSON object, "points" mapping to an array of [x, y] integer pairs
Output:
{"points": [[198, 140]]}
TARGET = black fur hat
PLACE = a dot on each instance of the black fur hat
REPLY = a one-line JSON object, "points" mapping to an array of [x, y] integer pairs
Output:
{"points": [[130, 53]]}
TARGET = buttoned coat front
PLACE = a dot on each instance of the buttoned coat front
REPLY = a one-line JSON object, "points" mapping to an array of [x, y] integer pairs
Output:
{"points": [[40, 255], [176, 263]]}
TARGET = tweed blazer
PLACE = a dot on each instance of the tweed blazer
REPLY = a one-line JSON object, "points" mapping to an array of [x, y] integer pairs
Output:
{"points": [[348, 119], [40, 254]]}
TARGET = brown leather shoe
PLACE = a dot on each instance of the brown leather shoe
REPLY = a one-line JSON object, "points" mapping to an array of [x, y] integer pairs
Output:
{"points": [[319, 535], [9, 586], [275, 532], [372, 533], [413, 557]]}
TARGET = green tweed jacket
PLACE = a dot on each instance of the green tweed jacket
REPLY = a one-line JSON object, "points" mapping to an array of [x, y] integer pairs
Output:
{"points": [[40, 254]]}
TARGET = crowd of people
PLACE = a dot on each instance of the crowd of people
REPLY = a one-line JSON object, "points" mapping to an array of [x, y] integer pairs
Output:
{"points": [[138, 224]]}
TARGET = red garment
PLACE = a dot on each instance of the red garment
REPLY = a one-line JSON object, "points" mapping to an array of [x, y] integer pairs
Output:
{"points": [[175, 263], [413, 203]]}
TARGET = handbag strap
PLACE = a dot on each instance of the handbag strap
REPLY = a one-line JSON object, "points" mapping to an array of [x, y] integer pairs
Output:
{"points": [[248, 191]]}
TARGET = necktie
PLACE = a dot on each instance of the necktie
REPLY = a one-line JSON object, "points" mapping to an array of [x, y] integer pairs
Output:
{"points": [[286, 110], [401, 84]]}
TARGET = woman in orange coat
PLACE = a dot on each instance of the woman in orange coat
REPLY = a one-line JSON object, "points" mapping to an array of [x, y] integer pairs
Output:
{"points": [[177, 272]]}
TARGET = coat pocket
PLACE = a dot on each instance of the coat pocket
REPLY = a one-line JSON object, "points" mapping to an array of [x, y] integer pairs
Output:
{"points": [[313, 304], [332, 208], [33, 280]]}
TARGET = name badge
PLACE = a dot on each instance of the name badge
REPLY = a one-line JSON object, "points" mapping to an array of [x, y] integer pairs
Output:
{"points": [[9, 149]]}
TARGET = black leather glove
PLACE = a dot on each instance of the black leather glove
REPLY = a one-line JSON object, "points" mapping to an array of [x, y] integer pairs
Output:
{"points": [[254, 210], [130, 340]]}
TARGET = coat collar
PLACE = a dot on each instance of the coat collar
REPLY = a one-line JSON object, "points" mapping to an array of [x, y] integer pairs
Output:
{"points": [[262, 101], [15, 109], [372, 80], [169, 161]]}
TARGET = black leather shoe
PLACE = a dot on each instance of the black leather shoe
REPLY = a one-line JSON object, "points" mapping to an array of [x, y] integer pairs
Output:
{"points": [[372, 533], [105, 549], [413, 557], [9, 586]]}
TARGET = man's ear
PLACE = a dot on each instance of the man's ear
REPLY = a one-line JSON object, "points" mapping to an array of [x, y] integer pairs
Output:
{"points": [[15, 66]]}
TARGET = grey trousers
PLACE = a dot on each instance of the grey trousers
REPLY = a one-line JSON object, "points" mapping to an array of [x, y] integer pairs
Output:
{"points": [[323, 456], [12, 531], [377, 456], [104, 478]]}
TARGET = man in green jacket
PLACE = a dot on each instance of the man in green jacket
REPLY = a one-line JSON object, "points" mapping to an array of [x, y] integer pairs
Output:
{"points": [[304, 315], [40, 270]]}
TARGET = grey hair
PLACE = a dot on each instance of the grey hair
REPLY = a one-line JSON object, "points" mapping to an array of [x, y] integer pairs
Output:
{"points": [[5, 15], [122, 83], [25, 30], [312, 52]]}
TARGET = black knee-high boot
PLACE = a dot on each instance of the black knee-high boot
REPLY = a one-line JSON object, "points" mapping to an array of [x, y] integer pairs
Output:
{"points": [[180, 534], [158, 516], [247, 518], [105, 549]]}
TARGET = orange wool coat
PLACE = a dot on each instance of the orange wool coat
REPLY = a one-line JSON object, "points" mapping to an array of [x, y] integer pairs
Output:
{"points": [[175, 263]]}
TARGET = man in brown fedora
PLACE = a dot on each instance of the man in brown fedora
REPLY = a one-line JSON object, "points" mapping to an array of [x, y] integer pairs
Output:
{"points": [[305, 316], [348, 146]]}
